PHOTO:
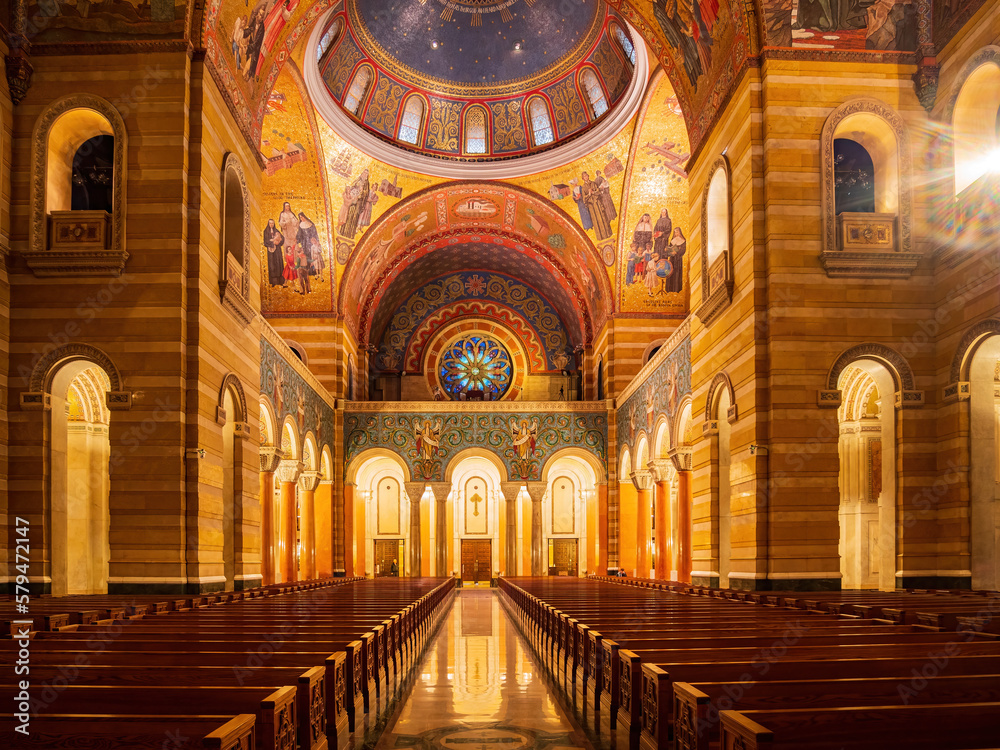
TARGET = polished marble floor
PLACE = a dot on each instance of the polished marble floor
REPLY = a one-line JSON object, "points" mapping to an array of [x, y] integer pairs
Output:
{"points": [[479, 688]]}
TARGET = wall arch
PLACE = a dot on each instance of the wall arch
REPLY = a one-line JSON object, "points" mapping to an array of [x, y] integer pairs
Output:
{"points": [[231, 382], [310, 452], [43, 371], [291, 430], [973, 114], [897, 365], [721, 382], [463, 455], [351, 472], [268, 426], [682, 424], [661, 438], [590, 459], [968, 345]]}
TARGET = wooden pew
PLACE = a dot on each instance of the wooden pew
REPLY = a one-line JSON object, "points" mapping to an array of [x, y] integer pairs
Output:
{"points": [[117, 732]]}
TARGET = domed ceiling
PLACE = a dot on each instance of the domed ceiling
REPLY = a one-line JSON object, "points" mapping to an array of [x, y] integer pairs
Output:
{"points": [[476, 79]]}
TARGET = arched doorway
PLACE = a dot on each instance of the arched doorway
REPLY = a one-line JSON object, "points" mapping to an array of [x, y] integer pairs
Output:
{"points": [[474, 520], [570, 516], [984, 463], [80, 459], [867, 476]]}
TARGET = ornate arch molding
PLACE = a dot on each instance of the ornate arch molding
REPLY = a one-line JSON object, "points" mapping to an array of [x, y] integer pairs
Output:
{"points": [[719, 382], [990, 53], [717, 281], [38, 395], [232, 383], [82, 243], [958, 384], [234, 277], [899, 368], [861, 244]]}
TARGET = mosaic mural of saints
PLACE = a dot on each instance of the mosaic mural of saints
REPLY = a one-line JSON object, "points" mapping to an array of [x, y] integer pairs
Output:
{"points": [[655, 256], [687, 25], [293, 250]]}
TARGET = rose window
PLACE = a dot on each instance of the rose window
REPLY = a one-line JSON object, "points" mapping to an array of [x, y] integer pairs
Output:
{"points": [[477, 367]]}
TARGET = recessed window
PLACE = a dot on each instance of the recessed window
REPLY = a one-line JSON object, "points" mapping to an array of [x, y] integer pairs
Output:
{"points": [[541, 123], [624, 42], [853, 177], [595, 94], [475, 131], [358, 90], [412, 119], [329, 39]]}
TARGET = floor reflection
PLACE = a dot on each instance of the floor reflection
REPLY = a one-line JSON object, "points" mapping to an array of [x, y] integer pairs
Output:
{"points": [[478, 688]]}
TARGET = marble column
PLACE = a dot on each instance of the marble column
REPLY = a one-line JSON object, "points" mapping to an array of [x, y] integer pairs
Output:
{"points": [[414, 492], [348, 530], [441, 491], [511, 491], [308, 482], [682, 462], [270, 457], [643, 482], [324, 529], [536, 491], [288, 475], [660, 470]]}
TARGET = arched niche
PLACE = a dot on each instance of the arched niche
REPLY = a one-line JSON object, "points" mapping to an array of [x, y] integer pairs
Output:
{"points": [[975, 108], [864, 244], [716, 243], [61, 241], [234, 241]]}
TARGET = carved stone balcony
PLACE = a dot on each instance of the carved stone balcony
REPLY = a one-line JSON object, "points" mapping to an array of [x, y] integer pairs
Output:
{"points": [[79, 244], [234, 290], [868, 245]]}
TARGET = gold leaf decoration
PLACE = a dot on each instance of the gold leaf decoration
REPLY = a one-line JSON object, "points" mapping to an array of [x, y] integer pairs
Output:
{"points": [[384, 106], [567, 107], [442, 134], [341, 65], [508, 127]]}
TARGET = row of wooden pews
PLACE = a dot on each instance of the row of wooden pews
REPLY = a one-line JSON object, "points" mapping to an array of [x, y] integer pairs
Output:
{"points": [[662, 664], [294, 668]]}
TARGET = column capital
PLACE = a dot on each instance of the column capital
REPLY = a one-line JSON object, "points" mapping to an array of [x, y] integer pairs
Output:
{"points": [[414, 491], [642, 479], [660, 468], [511, 490], [309, 481], [288, 471], [441, 490], [681, 458], [536, 490], [270, 457]]}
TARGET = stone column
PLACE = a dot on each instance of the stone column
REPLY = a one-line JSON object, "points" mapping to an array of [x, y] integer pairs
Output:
{"points": [[308, 482], [511, 491], [288, 474], [414, 492], [643, 482], [602, 528], [441, 491], [536, 490], [348, 530], [325, 529], [660, 470], [270, 457], [682, 462]]}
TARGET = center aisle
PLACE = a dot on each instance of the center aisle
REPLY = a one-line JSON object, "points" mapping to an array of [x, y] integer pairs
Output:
{"points": [[479, 686]]}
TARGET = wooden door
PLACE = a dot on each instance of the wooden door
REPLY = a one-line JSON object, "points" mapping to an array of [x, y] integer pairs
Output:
{"points": [[477, 560], [386, 553], [564, 557]]}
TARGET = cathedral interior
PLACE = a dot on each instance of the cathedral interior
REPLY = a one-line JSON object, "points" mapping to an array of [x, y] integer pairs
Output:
{"points": [[695, 291], [525, 374]]}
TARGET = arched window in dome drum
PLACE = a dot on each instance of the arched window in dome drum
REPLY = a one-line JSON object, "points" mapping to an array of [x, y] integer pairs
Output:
{"points": [[475, 130], [624, 42], [541, 123], [359, 90], [412, 119], [329, 38], [595, 94]]}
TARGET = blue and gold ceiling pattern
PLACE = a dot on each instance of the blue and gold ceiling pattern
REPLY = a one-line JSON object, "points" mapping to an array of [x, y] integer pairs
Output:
{"points": [[497, 54]]}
